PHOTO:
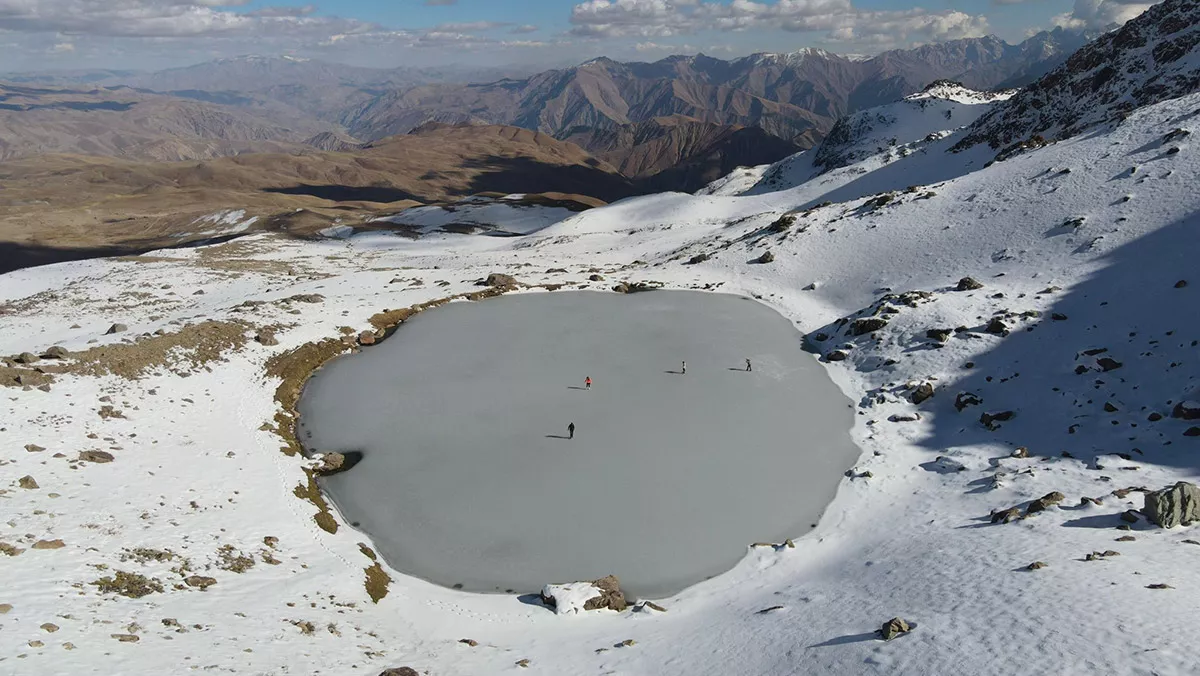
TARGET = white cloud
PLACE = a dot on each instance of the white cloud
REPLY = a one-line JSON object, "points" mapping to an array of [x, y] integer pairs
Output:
{"points": [[839, 20], [164, 18], [1099, 14]]}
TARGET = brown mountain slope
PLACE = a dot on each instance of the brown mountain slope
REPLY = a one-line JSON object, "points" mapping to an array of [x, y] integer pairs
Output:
{"points": [[79, 202], [124, 122], [680, 153]]}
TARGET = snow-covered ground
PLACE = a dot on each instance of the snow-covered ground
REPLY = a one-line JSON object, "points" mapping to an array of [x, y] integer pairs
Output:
{"points": [[1086, 250]]}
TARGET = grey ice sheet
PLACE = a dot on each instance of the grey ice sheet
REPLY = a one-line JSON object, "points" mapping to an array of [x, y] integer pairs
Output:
{"points": [[468, 478]]}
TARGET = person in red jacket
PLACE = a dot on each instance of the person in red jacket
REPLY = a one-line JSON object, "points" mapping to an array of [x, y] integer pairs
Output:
{"points": [[587, 383]]}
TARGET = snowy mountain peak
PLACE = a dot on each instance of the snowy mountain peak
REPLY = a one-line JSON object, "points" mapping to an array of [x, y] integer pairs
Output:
{"points": [[900, 126], [1152, 58]]}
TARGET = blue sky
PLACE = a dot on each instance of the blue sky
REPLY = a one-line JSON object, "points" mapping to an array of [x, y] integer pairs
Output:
{"points": [[40, 34]]}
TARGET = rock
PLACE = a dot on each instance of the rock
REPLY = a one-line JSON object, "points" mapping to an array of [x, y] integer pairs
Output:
{"points": [[1126, 538], [837, 355], [1181, 284], [904, 417], [305, 298], [1021, 452], [5, 608], [116, 328], [366, 338], [1192, 432], [651, 605], [1174, 506], [940, 335], [27, 358], [1108, 364], [989, 420], [49, 627], [1044, 502], [997, 326], [1006, 515], [266, 337], [497, 279], [1110, 408], [200, 582], [1159, 586], [399, 671], [331, 463], [893, 628], [1058, 317], [126, 638], [604, 593], [1036, 565], [923, 392], [1129, 516], [48, 544], [27, 482], [965, 399], [767, 257], [469, 641], [698, 258], [98, 457], [866, 325], [596, 278], [34, 448], [968, 284], [1154, 417], [524, 664], [1186, 410]]}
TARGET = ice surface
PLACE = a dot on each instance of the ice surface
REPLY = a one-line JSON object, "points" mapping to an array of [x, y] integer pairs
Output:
{"points": [[469, 477]]}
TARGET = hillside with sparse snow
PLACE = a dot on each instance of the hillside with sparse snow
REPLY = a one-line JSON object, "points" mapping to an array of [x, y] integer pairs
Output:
{"points": [[1019, 339]]}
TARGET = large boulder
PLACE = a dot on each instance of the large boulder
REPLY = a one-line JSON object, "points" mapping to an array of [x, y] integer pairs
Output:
{"points": [[1186, 410], [1170, 507], [499, 280], [576, 597], [860, 327]]}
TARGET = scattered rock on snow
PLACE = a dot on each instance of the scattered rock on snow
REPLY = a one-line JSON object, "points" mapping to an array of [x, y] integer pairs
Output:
{"points": [[497, 279], [965, 399], [968, 284], [1159, 586], [1108, 364], [27, 358], [922, 393], [1044, 502], [940, 335], [27, 482], [1130, 516], [56, 352], [1181, 284], [116, 328], [837, 355], [893, 628], [767, 257], [266, 337], [575, 597], [904, 417], [697, 259], [399, 671], [1036, 565], [989, 420], [200, 582], [34, 448], [98, 457], [1174, 506], [997, 327], [48, 544], [1186, 410], [866, 325], [1006, 515]]}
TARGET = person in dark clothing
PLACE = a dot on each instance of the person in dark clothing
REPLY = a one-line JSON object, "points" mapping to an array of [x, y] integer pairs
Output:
{"points": [[748, 365], [683, 367], [571, 431]]}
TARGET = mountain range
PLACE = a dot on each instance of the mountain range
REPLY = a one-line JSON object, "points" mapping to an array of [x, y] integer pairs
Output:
{"points": [[684, 119]]}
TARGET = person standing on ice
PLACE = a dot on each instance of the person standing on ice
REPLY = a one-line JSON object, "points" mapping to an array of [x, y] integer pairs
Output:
{"points": [[587, 383], [748, 365], [683, 367], [571, 431]]}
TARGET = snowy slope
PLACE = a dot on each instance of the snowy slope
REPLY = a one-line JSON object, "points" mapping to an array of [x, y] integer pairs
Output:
{"points": [[942, 106], [1081, 247]]}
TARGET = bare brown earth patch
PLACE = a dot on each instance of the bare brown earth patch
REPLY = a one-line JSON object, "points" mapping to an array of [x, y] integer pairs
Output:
{"points": [[377, 580], [188, 350]]}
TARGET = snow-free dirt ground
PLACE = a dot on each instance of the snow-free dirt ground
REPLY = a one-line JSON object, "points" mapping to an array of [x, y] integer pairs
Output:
{"points": [[196, 550]]}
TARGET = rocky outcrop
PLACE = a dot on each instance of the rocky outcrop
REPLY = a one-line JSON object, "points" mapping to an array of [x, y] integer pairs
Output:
{"points": [[860, 327], [574, 597], [893, 628], [497, 279], [1186, 410], [1174, 506]]}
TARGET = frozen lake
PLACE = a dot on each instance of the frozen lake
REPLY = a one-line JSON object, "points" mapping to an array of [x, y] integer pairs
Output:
{"points": [[468, 477]]}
